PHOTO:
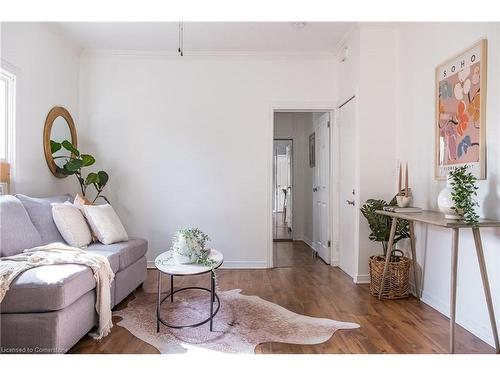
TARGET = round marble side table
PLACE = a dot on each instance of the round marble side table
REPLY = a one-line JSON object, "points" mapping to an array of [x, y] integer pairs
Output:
{"points": [[165, 264]]}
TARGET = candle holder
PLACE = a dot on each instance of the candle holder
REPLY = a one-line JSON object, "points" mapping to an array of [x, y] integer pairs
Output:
{"points": [[403, 198], [403, 201]]}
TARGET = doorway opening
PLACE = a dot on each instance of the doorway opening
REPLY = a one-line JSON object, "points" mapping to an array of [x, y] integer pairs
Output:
{"points": [[301, 188], [282, 190]]}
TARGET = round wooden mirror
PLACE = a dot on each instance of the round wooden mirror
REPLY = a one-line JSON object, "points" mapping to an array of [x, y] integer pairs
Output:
{"points": [[59, 127]]}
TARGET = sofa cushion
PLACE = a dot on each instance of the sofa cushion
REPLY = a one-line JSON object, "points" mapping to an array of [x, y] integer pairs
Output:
{"points": [[48, 288], [17, 232], [40, 213], [129, 251], [113, 256]]}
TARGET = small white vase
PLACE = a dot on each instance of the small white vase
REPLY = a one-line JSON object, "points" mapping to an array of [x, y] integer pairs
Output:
{"points": [[445, 202], [183, 254]]}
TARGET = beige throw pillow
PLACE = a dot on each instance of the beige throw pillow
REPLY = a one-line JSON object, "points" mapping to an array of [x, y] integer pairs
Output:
{"points": [[71, 224], [80, 202], [105, 224]]}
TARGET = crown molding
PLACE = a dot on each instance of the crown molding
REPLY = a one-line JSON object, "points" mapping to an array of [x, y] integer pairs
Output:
{"points": [[211, 54]]}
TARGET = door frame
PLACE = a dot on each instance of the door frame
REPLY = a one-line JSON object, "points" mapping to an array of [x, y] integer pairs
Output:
{"points": [[301, 107]]}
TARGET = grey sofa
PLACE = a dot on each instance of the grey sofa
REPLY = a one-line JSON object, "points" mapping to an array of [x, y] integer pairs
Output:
{"points": [[50, 308]]}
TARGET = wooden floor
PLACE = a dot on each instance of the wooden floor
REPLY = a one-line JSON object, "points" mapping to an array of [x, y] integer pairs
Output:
{"points": [[294, 254], [280, 229], [403, 326]]}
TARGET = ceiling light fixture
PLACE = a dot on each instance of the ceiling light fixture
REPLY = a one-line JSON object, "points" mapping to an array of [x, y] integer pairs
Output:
{"points": [[181, 39]]}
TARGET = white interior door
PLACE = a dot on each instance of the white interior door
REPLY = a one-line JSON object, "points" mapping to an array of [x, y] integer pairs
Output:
{"points": [[321, 188], [346, 122]]}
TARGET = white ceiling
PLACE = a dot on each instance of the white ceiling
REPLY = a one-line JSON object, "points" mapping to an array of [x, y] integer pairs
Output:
{"points": [[286, 37]]}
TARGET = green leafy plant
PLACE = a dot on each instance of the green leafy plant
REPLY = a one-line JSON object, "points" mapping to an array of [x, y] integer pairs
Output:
{"points": [[195, 241], [73, 166], [463, 191], [380, 225]]}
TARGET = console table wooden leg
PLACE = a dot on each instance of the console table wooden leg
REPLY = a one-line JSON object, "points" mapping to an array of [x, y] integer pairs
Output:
{"points": [[486, 284], [414, 258], [453, 287], [388, 255]]}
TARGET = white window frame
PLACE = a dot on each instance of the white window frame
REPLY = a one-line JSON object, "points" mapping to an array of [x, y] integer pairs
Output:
{"points": [[7, 74]]}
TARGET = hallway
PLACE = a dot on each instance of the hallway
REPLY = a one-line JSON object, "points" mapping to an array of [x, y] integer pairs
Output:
{"points": [[294, 254], [280, 229]]}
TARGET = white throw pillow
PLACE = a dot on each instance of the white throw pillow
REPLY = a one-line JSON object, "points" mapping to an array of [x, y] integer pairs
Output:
{"points": [[71, 224], [105, 224]]}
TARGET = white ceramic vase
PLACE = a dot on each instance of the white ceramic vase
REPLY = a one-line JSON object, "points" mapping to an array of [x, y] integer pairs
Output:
{"points": [[445, 202], [182, 253]]}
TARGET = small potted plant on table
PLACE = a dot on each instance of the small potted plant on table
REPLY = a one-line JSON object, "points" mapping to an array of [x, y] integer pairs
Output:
{"points": [[457, 200], [396, 283]]}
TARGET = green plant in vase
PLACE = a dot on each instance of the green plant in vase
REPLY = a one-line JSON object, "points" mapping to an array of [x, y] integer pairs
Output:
{"points": [[463, 190], [73, 166], [189, 246]]}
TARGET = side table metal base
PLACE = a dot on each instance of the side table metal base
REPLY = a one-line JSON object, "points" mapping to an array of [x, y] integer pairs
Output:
{"points": [[214, 298]]}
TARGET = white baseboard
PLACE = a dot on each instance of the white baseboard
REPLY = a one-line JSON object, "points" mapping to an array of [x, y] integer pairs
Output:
{"points": [[306, 240], [333, 262], [230, 264], [361, 279]]}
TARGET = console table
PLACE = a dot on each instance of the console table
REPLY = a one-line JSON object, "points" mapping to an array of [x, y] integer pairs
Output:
{"points": [[438, 219]]}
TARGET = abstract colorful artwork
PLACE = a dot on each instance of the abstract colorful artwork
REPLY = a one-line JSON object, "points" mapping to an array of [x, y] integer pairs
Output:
{"points": [[460, 112]]}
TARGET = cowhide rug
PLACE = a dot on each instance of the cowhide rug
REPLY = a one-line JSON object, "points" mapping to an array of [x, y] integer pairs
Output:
{"points": [[241, 324]]}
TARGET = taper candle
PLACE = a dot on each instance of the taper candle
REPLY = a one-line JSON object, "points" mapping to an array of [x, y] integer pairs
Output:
{"points": [[406, 181], [400, 177]]}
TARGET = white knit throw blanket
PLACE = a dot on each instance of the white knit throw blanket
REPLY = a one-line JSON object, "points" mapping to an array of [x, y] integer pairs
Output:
{"points": [[58, 253]]}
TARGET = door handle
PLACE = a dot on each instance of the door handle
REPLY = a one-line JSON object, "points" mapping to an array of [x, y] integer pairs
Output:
{"points": [[315, 190], [350, 202]]}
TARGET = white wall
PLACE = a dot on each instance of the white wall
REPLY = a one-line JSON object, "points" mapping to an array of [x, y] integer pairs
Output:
{"points": [[187, 141], [47, 69], [298, 126], [369, 73], [376, 126], [421, 49]]}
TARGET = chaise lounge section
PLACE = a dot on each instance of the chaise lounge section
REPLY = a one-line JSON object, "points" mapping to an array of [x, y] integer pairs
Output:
{"points": [[50, 308]]}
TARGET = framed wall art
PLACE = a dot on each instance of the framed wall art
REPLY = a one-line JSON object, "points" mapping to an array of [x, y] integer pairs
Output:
{"points": [[461, 112]]}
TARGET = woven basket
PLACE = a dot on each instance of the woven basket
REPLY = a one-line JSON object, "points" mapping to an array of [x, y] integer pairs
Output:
{"points": [[396, 283]]}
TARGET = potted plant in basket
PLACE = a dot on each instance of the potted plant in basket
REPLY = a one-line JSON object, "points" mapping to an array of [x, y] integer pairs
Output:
{"points": [[397, 277]]}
